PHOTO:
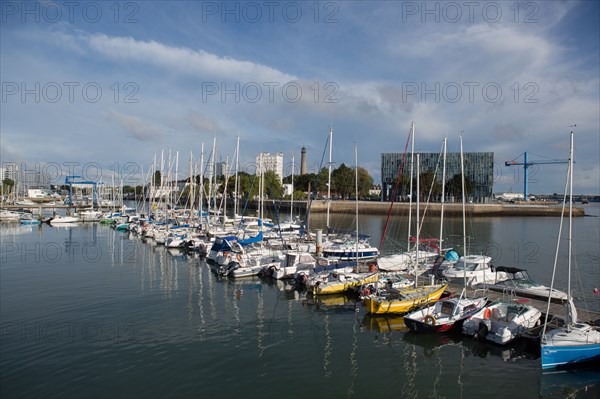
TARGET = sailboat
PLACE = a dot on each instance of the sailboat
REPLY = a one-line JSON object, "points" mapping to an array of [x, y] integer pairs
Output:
{"points": [[451, 312], [427, 249], [407, 299], [338, 281], [575, 342]]}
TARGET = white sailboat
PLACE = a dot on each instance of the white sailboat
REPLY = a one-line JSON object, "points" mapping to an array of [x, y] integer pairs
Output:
{"points": [[451, 312], [575, 342]]}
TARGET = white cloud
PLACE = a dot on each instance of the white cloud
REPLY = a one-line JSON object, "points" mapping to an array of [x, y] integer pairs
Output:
{"points": [[186, 60], [135, 126]]}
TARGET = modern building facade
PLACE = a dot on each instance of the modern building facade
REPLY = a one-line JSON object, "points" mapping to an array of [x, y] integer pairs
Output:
{"points": [[479, 168]]}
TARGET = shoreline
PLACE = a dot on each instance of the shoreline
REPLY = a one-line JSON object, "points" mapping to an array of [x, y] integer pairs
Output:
{"points": [[382, 208], [450, 209]]}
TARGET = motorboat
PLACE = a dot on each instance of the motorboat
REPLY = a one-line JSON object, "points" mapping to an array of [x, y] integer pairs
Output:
{"points": [[348, 248], [521, 284], [501, 321], [293, 263], [61, 220], [444, 315], [476, 269]]}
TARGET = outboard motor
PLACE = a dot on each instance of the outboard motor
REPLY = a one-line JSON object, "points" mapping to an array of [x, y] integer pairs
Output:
{"points": [[231, 267], [436, 266], [482, 331]]}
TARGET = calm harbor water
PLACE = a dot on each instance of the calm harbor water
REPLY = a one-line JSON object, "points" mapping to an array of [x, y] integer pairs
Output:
{"points": [[90, 312]]}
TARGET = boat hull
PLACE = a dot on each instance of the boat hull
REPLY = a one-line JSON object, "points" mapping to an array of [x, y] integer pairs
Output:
{"points": [[564, 347], [415, 298], [421, 327], [554, 356], [340, 287]]}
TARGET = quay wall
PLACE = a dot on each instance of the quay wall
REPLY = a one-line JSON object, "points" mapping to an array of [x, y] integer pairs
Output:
{"points": [[382, 208]]}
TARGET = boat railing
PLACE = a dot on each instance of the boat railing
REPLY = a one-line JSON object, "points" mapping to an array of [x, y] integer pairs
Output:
{"points": [[509, 294], [481, 291]]}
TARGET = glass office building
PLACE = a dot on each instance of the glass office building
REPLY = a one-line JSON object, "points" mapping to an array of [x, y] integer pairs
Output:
{"points": [[479, 168]]}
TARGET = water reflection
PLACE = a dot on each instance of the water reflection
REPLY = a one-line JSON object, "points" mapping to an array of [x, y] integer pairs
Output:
{"points": [[577, 383], [181, 308], [384, 323]]}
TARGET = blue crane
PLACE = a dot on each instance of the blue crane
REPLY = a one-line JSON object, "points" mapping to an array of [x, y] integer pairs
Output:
{"points": [[70, 180], [526, 164]]}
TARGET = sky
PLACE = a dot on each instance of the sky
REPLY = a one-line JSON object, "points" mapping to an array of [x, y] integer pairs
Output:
{"points": [[92, 88]]}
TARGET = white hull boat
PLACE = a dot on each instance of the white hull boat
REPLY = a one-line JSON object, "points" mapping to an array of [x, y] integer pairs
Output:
{"points": [[501, 322]]}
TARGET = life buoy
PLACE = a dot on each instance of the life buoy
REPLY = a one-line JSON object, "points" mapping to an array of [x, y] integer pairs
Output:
{"points": [[429, 319]]}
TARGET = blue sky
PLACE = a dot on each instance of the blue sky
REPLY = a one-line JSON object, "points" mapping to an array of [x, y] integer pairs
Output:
{"points": [[111, 84]]}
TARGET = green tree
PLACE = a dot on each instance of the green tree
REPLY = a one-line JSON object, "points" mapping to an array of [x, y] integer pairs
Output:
{"points": [[365, 182], [157, 177], [426, 180], [8, 182], [343, 181], [454, 186], [7, 185], [273, 188]]}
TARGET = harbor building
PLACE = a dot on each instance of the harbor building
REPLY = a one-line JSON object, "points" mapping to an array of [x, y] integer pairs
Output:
{"points": [[25, 178], [266, 161], [479, 169]]}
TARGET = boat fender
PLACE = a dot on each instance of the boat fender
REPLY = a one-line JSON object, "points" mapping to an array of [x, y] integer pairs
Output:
{"points": [[487, 313], [238, 257], [429, 319]]}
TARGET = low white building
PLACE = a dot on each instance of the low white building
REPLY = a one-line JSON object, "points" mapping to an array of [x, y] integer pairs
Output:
{"points": [[37, 193], [288, 189]]}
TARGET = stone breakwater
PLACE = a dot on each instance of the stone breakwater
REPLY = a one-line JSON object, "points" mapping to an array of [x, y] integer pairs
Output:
{"points": [[454, 209]]}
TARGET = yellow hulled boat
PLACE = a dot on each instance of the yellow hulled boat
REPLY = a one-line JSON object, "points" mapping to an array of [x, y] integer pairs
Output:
{"points": [[337, 283], [404, 300]]}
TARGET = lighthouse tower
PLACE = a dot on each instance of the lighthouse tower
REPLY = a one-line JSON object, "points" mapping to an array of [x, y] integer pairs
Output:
{"points": [[303, 161]]}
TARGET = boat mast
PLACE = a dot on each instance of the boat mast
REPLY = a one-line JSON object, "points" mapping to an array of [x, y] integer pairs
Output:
{"points": [[201, 188], [410, 192], [356, 199], [572, 316], [175, 184], [417, 224], [262, 188], [191, 191], [292, 196], [443, 195], [236, 184], [214, 177], [226, 181], [329, 178], [462, 174]]}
